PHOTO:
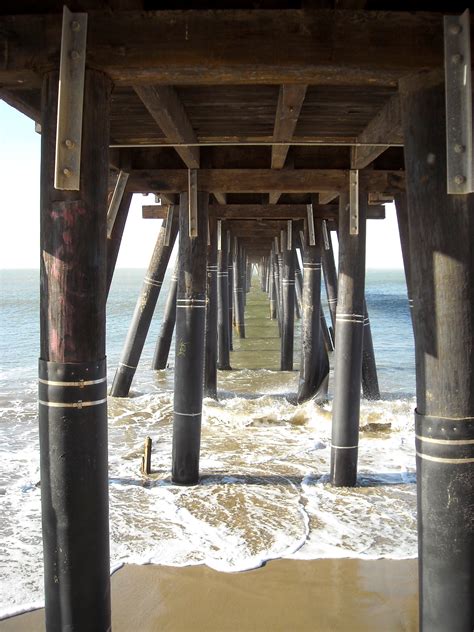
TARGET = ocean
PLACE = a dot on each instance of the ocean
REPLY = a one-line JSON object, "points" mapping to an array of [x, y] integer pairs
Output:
{"points": [[264, 491]]}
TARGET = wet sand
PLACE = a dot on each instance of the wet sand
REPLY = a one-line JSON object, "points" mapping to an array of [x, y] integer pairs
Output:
{"points": [[284, 595]]}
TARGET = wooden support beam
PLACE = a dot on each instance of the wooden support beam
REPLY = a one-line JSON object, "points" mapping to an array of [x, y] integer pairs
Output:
{"points": [[290, 101], [167, 110], [328, 196], [385, 127], [232, 46], [264, 180], [20, 102], [258, 212], [221, 198]]}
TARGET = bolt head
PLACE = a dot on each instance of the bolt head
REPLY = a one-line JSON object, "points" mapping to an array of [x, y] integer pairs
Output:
{"points": [[69, 143], [75, 25], [455, 29], [75, 55], [67, 172], [459, 149], [459, 179], [457, 58]]}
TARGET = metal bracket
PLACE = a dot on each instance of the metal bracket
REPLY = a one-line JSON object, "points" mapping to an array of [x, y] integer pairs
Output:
{"points": [[277, 246], [67, 169], [311, 233], [325, 234], [115, 201], [457, 70], [208, 232], [193, 203], [354, 202], [302, 239], [289, 239], [219, 234], [169, 222]]}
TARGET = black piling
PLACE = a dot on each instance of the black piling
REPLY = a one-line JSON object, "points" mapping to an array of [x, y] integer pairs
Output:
{"points": [[190, 343], [404, 231], [328, 342], [370, 382], [239, 287], [163, 345], [441, 228], [350, 332], [314, 364], [288, 256], [116, 234], [210, 357], [144, 310], [298, 289], [272, 289], [230, 284], [72, 370], [224, 324], [330, 276]]}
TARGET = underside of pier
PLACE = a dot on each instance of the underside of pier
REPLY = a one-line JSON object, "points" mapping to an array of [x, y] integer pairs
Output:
{"points": [[262, 128]]}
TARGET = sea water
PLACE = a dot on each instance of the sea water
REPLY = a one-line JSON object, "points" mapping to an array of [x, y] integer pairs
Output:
{"points": [[264, 490]]}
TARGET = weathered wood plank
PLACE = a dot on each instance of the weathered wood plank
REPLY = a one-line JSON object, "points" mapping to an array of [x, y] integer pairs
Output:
{"points": [[167, 110], [383, 128], [205, 47], [327, 196], [264, 180], [290, 101]]}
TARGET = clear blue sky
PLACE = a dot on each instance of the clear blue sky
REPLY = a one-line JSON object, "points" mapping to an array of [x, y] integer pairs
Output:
{"points": [[19, 204]]}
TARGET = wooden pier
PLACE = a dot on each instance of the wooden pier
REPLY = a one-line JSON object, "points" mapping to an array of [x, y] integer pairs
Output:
{"points": [[262, 128]]}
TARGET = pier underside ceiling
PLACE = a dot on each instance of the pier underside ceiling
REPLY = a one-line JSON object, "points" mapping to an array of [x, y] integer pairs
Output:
{"points": [[274, 102]]}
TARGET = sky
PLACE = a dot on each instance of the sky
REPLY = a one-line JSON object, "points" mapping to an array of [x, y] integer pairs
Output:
{"points": [[19, 208]]}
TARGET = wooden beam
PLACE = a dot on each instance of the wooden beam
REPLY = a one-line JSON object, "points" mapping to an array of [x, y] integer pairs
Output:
{"points": [[385, 127], [17, 100], [220, 197], [167, 110], [264, 180], [328, 196], [259, 212], [232, 46], [290, 102]]}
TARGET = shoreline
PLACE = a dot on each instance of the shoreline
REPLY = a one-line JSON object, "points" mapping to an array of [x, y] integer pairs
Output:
{"points": [[318, 595]]}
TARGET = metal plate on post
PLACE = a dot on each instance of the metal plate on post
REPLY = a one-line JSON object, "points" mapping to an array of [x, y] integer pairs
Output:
{"points": [[277, 246], [219, 234], [115, 201], [354, 202], [289, 239], [67, 172], [302, 238], [192, 199], [169, 222], [325, 234], [311, 233], [457, 70]]}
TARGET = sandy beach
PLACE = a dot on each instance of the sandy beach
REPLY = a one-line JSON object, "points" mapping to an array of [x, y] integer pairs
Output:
{"points": [[284, 595]]}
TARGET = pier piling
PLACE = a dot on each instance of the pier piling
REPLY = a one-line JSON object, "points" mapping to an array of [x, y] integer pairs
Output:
{"points": [[224, 315], [288, 256], [163, 344], [210, 359], [350, 331], [190, 343]]}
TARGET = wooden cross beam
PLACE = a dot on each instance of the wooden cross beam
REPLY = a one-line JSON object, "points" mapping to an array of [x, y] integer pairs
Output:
{"points": [[258, 212], [167, 110], [264, 180], [385, 127], [232, 46]]}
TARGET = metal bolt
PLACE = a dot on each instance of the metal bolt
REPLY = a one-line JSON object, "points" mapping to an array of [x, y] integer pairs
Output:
{"points": [[75, 25], [455, 29], [457, 58], [75, 55], [459, 149], [459, 179], [67, 172], [69, 143]]}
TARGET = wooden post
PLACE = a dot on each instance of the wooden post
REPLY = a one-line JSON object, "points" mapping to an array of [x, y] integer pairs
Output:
{"points": [[190, 334], [239, 280], [314, 364], [404, 231], [330, 277], [288, 301], [210, 361], [72, 370], [272, 292], [223, 321], [115, 239], [146, 458], [163, 345], [370, 382], [230, 287], [441, 229], [350, 332], [144, 310]]}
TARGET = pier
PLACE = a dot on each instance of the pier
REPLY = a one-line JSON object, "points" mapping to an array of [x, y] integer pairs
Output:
{"points": [[266, 133]]}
